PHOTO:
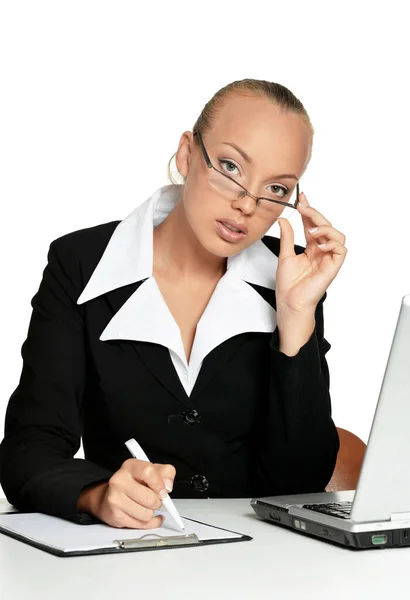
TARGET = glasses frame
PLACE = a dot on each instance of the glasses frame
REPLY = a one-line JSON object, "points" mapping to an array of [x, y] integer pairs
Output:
{"points": [[257, 198]]}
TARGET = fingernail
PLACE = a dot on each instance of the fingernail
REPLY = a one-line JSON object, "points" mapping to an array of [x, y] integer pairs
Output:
{"points": [[163, 494], [168, 484], [313, 230], [322, 245]]}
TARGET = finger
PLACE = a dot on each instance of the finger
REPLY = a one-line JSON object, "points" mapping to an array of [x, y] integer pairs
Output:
{"points": [[314, 216], [144, 496], [167, 472], [310, 213], [328, 232], [303, 199], [126, 482], [132, 505], [309, 222], [287, 239], [147, 473], [123, 520], [154, 523], [337, 249]]}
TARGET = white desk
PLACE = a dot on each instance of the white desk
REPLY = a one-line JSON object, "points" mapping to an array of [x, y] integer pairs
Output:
{"points": [[277, 563]]}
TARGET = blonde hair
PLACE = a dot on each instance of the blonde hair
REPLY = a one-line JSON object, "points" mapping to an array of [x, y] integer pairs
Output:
{"points": [[276, 92]]}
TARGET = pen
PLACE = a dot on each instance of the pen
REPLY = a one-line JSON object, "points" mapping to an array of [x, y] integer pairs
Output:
{"points": [[137, 452]]}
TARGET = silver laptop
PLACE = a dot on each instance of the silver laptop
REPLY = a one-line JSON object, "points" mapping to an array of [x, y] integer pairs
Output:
{"points": [[377, 513]]}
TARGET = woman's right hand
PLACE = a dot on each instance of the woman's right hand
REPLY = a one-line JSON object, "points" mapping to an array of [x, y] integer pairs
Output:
{"points": [[131, 496]]}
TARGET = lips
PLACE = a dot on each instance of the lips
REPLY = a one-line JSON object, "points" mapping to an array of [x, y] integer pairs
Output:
{"points": [[234, 225], [230, 230]]}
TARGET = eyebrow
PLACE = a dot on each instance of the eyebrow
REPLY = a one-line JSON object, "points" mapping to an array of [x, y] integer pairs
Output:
{"points": [[249, 160]]}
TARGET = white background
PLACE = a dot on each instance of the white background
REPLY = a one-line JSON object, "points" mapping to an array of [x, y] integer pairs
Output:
{"points": [[95, 95]]}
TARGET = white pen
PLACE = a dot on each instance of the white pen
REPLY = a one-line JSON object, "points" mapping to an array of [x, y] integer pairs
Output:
{"points": [[137, 452]]}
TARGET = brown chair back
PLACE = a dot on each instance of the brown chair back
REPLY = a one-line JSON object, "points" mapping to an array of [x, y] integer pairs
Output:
{"points": [[349, 462]]}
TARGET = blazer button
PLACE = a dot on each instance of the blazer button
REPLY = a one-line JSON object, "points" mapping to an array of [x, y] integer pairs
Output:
{"points": [[191, 416], [199, 483]]}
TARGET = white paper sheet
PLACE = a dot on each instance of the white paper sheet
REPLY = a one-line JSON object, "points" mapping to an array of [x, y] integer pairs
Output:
{"points": [[66, 536]]}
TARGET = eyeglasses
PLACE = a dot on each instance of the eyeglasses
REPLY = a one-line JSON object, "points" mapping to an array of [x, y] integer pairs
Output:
{"points": [[232, 189]]}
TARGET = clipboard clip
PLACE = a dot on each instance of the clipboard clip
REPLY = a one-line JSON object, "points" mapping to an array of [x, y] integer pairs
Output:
{"points": [[152, 540]]}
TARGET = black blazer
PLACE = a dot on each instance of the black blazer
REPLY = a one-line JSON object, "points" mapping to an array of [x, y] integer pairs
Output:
{"points": [[257, 422]]}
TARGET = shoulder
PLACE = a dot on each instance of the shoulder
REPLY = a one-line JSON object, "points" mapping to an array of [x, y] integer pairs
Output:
{"points": [[86, 239], [273, 243], [78, 253]]}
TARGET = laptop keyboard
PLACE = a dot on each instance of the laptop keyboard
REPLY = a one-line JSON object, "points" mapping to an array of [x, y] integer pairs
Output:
{"points": [[341, 510]]}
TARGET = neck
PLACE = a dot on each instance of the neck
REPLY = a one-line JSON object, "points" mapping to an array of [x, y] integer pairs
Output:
{"points": [[178, 252]]}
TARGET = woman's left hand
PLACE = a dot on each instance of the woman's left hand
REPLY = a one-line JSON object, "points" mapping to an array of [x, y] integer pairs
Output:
{"points": [[302, 279]]}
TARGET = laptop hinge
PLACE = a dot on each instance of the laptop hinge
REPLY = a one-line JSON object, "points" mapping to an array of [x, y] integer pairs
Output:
{"points": [[404, 516]]}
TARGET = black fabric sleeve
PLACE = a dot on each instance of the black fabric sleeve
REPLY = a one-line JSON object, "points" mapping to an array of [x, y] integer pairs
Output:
{"points": [[43, 418], [297, 441]]}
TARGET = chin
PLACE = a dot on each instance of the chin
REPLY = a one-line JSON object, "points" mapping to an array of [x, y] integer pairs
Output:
{"points": [[219, 247]]}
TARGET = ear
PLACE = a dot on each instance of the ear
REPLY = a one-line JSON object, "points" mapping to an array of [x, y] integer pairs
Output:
{"points": [[184, 153]]}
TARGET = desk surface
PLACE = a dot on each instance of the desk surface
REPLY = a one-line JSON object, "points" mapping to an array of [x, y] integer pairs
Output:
{"points": [[277, 563]]}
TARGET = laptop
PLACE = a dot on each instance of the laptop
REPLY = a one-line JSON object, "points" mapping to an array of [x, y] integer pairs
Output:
{"points": [[377, 513]]}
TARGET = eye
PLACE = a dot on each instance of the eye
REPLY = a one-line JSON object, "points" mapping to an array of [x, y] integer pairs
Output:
{"points": [[229, 167], [279, 190]]}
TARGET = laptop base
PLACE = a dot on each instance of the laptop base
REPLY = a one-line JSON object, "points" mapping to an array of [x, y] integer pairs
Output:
{"points": [[366, 540]]}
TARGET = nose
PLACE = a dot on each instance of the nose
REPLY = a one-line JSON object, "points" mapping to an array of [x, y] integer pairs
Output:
{"points": [[245, 204]]}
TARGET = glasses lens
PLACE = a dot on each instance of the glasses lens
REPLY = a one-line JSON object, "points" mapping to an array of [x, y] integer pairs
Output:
{"points": [[225, 186], [233, 191], [278, 210]]}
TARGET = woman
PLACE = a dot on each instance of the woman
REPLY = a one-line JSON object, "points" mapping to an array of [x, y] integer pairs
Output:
{"points": [[185, 327]]}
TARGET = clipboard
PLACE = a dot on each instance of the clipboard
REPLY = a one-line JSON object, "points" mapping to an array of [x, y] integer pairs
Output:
{"points": [[64, 538]]}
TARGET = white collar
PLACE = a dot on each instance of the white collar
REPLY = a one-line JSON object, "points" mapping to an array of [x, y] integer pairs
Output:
{"points": [[235, 307], [128, 257]]}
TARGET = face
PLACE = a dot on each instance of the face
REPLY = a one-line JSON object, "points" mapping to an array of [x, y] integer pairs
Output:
{"points": [[275, 143]]}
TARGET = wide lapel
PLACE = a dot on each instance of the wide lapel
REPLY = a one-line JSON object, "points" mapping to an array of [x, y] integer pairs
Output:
{"points": [[236, 307], [124, 276], [145, 318], [214, 362]]}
